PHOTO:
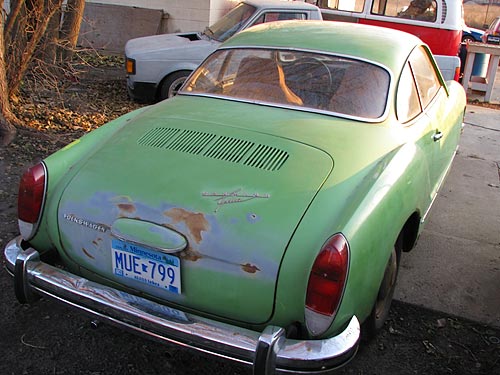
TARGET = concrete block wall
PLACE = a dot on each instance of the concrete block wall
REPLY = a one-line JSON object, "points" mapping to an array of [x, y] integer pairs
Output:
{"points": [[220, 7], [183, 15]]}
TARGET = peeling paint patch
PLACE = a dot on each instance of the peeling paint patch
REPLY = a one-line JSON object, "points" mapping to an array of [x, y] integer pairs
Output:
{"points": [[97, 242], [191, 255], [195, 221], [87, 253], [250, 268], [128, 208]]}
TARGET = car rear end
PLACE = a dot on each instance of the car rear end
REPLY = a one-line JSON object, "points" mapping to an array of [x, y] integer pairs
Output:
{"points": [[189, 254], [492, 34]]}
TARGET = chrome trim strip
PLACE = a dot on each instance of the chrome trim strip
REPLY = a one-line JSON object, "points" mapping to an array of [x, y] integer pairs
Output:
{"points": [[165, 324], [287, 106]]}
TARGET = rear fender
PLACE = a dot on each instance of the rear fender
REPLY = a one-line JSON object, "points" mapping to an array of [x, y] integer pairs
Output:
{"points": [[61, 166], [370, 209]]}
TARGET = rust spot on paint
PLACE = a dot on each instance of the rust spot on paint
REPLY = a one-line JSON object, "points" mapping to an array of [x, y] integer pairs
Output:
{"points": [[195, 221], [97, 241], [87, 253], [250, 268], [126, 207], [191, 255]]}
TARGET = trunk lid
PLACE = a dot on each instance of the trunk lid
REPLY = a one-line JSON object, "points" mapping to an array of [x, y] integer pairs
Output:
{"points": [[219, 203]]}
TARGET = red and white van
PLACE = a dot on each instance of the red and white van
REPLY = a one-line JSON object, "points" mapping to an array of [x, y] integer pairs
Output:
{"points": [[437, 22]]}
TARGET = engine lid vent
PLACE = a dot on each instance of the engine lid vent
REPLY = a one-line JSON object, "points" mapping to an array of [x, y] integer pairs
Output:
{"points": [[214, 146]]}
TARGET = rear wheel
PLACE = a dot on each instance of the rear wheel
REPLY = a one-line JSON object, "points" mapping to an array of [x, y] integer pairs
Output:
{"points": [[172, 83], [382, 305], [468, 39]]}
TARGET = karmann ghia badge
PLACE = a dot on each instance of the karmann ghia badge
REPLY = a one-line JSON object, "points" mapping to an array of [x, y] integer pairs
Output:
{"points": [[236, 196]]}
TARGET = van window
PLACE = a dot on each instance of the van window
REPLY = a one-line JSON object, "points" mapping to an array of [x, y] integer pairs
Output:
{"points": [[346, 5], [421, 10]]}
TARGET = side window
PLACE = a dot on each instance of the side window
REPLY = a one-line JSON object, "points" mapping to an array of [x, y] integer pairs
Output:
{"points": [[349, 6], [421, 10], [408, 105], [428, 83], [279, 16]]}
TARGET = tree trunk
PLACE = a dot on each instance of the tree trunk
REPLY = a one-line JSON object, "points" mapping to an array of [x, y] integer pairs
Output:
{"points": [[7, 129], [71, 27], [42, 18], [48, 48]]}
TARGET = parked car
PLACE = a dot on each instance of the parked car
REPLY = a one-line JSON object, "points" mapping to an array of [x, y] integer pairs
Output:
{"points": [[259, 215], [470, 34], [158, 65], [492, 33]]}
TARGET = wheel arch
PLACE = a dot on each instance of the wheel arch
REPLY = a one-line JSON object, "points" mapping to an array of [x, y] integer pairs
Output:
{"points": [[410, 232], [167, 77]]}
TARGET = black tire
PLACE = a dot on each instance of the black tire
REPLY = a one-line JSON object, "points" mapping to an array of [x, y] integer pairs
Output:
{"points": [[468, 38], [172, 83], [382, 305]]}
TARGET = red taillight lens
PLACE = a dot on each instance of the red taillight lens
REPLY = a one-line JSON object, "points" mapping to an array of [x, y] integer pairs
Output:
{"points": [[328, 276], [31, 194]]}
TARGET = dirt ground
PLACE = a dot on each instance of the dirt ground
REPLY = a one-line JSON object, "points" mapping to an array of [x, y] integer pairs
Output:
{"points": [[48, 338]]}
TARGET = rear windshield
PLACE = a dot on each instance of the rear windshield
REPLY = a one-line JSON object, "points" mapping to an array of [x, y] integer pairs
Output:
{"points": [[300, 79]]}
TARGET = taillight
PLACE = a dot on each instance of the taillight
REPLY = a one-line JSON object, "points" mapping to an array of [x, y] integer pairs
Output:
{"points": [[326, 284], [30, 199], [456, 76]]}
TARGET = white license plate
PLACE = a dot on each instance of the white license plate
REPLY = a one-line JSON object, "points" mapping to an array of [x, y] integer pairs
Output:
{"points": [[493, 39], [145, 265]]}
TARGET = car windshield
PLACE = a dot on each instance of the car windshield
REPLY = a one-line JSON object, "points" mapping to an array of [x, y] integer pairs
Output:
{"points": [[494, 27], [228, 25], [306, 80]]}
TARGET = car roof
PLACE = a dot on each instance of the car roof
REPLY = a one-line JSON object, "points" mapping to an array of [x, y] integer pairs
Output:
{"points": [[385, 46], [281, 4]]}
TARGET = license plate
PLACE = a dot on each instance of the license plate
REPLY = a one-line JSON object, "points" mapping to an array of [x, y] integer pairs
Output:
{"points": [[147, 266], [493, 39]]}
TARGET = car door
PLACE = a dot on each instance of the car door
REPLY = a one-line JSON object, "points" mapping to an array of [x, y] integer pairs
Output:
{"points": [[421, 107], [433, 97], [418, 130]]}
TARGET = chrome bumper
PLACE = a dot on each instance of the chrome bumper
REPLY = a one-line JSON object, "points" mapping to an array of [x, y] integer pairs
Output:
{"points": [[267, 351]]}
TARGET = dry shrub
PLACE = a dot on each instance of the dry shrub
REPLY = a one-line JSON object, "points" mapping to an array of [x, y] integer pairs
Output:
{"points": [[479, 15]]}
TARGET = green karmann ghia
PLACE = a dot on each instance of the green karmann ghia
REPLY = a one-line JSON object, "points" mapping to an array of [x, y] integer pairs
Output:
{"points": [[260, 215]]}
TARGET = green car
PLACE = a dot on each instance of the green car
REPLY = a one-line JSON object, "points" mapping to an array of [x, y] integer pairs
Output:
{"points": [[261, 214]]}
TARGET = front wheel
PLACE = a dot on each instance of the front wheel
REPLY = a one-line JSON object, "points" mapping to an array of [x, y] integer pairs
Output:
{"points": [[382, 305], [172, 83]]}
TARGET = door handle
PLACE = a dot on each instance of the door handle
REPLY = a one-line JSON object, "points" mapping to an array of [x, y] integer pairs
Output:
{"points": [[437, 136]]}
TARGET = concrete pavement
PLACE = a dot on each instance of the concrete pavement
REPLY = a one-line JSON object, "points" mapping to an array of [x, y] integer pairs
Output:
{"points": [[455, 267]]}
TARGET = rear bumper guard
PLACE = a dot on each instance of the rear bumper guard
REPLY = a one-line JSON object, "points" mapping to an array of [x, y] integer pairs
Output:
{"points": [[267, 351]]}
